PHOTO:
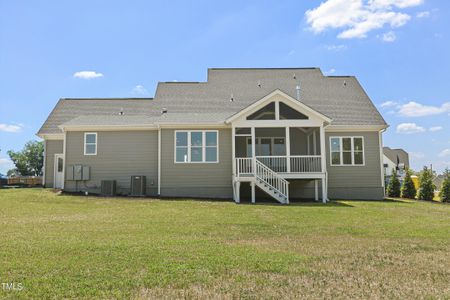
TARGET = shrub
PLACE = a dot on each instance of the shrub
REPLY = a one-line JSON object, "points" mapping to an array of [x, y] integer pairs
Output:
{"points": [[426, 186], [408, 188], [393, 189], [445, 189]]}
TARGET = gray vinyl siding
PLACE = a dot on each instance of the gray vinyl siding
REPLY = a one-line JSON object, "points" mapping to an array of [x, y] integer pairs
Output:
{"points": [[356, 182], [206, 180], [120, 155], [52, 147]]}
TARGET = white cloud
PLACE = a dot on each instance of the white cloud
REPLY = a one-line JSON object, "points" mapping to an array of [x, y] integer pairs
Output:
{"points": [[409, 128], [356, 18], [435, 128], [10, 128], [391, 3], [139, 90], [414, 109], [423, 14], [389, 37], [445, 153], [5, 165], [6, 162], [330, 71], [441, 165], [291, 52], [87, 74], [389, 104], [335, 47], [416, 155]]}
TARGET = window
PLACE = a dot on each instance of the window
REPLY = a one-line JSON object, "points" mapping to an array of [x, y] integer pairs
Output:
{"points": [[267, 146], [243, 131], [60, 164], [346, 151], [288, 113], [196, 146], [265, 113], [90, 143]]}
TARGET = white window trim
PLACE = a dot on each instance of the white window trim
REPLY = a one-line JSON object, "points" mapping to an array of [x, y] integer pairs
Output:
{"points": [[96, 143], [341, 164], [189, 147]]}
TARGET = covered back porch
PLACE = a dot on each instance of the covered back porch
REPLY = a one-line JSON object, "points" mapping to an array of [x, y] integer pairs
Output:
{"points": [[290, 151], [276, 139]]}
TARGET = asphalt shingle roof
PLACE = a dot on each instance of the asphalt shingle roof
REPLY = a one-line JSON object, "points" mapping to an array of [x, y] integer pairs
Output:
{"points": [[341, 98], [392, 154], [111, 120]]}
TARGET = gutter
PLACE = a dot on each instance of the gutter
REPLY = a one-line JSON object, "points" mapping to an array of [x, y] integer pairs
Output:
{"points": [[159, 160]]}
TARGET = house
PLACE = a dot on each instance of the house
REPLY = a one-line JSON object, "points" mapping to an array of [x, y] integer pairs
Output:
{"points": [[395, 159], [284, 133]]}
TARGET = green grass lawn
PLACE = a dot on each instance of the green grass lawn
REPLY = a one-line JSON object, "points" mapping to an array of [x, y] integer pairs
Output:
{"points": [[60, 246]]}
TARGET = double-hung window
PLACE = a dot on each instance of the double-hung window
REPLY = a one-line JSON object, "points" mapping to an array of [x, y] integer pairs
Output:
{"points": [[196, 146], [346, 151], [90, 143]]}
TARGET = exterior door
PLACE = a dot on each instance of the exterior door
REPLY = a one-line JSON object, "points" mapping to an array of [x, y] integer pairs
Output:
{"points": [[59, 171]]}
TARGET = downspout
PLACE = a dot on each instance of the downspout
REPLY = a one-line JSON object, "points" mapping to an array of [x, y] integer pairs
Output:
{"points": [[159, 160], [44, 163], [323, 151], [64, 164], [380, 141]]}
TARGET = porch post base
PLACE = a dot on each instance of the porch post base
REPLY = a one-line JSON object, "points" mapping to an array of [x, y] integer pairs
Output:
{"points": [[253, 191]]}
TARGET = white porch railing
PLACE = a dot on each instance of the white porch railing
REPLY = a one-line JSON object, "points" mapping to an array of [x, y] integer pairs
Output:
{"points": [[244, 166], [276, 163], [293, 163], [305, 164], [281, 164]]}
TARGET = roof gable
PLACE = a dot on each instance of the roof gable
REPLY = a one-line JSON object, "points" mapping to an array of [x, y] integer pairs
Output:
{"points": [[280, 96]]}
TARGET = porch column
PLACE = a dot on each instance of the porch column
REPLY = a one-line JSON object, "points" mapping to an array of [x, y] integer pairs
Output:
{"points": [[323, 149], [238, 192], [316, 190], [288, 149], [252, 184], [324, 164], [233, 151], [314, 143], [253, 150]]}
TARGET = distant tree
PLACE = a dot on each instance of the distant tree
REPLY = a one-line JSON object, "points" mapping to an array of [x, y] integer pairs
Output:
{"points": [[29, 160], [445, 188], [393, 188], [426, 186], [408, 188], [12, 173]]}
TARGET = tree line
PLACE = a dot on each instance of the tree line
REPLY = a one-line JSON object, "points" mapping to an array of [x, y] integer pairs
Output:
{"points": [[29, 161], [426, 186]]}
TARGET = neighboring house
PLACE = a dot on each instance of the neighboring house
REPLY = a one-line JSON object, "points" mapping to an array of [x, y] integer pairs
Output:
{"points": [[397, 159], [286, 133], [438, 180]]}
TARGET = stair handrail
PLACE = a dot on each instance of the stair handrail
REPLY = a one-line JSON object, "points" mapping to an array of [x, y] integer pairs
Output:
{"points": [[272, 179]]}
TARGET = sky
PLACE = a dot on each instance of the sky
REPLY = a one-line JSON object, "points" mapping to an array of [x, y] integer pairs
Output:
{"points": [[398, 49]]}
